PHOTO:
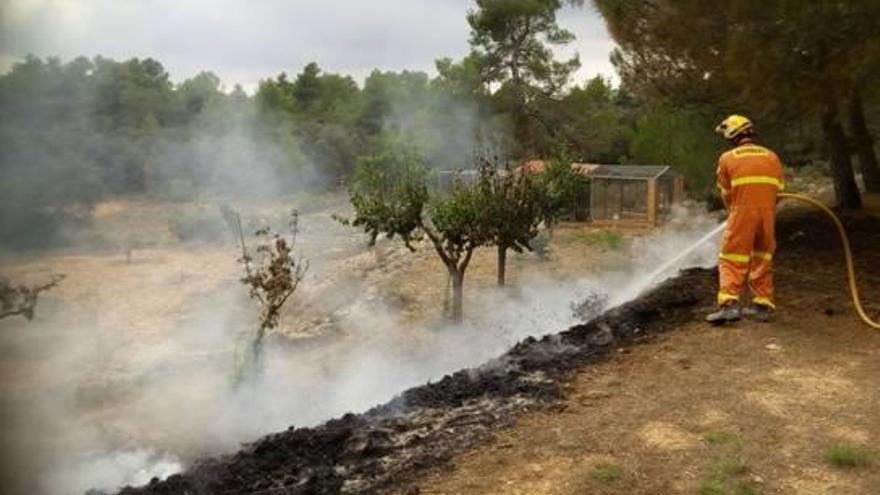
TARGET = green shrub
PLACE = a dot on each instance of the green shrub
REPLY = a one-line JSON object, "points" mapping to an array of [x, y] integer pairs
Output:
{"points": [[843, 455]]}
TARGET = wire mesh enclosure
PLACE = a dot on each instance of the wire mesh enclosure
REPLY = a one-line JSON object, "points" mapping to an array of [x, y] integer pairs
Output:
{"points": [[633, 194], [609, 195]]}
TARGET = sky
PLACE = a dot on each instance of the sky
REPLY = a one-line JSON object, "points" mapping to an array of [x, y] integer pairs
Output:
{"points": [[244, 41]]}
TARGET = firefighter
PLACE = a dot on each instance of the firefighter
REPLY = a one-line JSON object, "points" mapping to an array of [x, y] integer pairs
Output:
{"points": [[749, 177]]}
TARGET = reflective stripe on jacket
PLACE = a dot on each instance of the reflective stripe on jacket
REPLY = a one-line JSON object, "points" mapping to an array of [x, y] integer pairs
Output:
{"points": [[750, 175]]}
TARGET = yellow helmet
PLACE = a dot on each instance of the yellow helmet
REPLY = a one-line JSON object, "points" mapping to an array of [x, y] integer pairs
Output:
{"points": [[735, 125]]}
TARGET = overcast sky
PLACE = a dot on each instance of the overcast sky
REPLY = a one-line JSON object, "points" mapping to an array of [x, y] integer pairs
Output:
{"points": [[244, 41]]}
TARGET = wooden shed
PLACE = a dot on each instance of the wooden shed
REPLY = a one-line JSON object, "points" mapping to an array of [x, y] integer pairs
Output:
{"points": [[633, 195]]}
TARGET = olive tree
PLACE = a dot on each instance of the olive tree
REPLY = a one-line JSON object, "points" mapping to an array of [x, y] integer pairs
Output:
{"points": [[390, 195], [515, 207]]}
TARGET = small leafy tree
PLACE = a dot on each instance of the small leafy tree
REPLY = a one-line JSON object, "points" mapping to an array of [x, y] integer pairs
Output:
{"points": [[389, 193], [272, 275], [21, 300], [514, 208], [560, 187]]}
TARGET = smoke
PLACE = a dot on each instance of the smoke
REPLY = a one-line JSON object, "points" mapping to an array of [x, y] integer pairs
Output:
{"points": [[75, 133], [230, 151], [94, 399], [447, 127], [687, 224], [99, 472]]}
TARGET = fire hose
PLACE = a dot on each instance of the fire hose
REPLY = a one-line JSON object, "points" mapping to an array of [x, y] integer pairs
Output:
{"points": [[847, 251]]}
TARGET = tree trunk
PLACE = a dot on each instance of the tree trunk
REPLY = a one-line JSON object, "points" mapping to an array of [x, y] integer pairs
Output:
{"points": [[447, 295], [502, 265], [864, 144], [457, 296], [845, 188]]}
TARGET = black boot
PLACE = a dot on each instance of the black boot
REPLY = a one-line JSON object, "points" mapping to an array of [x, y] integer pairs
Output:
{"points": [[726, 313], [758, 312]]}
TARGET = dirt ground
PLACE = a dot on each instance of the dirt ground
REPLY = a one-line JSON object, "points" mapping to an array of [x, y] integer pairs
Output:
{"points": [[748, 408]]}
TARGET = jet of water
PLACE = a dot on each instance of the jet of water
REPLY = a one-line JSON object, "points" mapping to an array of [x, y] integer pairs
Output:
{"points": [[672, 262]]}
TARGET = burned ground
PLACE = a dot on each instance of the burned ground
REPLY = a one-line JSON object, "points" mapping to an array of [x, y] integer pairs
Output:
{"points": [[390, 446]]}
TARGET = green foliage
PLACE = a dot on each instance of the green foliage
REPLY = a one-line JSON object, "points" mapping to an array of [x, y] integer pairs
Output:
{"points": [[561, 187], [513, 205], [513, 40], [842, 455], [665, 136], [458, 217], [512, 36], [607, 472], [389, 194], [320, 112], [789, 65]]}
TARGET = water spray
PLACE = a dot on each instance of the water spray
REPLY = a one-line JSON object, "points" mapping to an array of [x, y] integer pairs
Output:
{"points": [[669, 264]]}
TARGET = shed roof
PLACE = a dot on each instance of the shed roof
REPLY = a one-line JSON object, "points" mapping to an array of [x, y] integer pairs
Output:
{"points": [[631, 172], [599, 171]]}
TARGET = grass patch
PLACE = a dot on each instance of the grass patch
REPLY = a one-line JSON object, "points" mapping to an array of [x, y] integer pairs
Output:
{"points": [[842, 455], [726, 478], [607, 472], [728, 474], [603, 239], [720, 438]]}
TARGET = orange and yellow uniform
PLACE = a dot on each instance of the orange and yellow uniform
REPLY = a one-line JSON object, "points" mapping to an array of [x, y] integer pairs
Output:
{"points": [[750, 177]]}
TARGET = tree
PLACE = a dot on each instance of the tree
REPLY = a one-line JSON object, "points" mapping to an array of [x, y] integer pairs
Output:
{"points": [[863, 142], [560, 186], [321, 112], [590, 122], [678, 138], [785, 61], [389, 193], [197, 92], [514, 208], [513, 40]]}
